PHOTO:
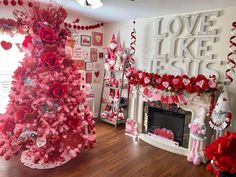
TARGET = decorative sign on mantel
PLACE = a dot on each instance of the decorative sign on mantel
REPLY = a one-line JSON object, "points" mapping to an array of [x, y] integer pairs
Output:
{"points": [[187, 40]]}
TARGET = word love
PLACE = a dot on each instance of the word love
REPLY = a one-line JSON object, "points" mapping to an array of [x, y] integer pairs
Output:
{"points": [[176, 26]]}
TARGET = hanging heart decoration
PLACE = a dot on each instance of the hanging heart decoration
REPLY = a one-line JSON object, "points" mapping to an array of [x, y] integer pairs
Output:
{"points": [[97, 73], [6, 45]]}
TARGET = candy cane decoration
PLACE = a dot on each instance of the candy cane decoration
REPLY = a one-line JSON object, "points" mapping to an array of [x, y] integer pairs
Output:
{"points": [[231, 63], [133, 43]]}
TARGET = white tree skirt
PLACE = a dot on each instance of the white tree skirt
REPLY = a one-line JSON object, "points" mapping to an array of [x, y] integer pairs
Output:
{"points": [[27, 161]]}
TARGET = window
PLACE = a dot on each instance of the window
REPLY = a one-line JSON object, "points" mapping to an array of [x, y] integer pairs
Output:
{"points": [[9, 61]]}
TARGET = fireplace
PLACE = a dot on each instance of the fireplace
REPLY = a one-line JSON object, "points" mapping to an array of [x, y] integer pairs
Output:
{"points": [[141, 110], [167, 121]]}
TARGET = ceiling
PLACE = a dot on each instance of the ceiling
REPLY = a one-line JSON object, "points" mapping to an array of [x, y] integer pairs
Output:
{"points": [[121, 10]]}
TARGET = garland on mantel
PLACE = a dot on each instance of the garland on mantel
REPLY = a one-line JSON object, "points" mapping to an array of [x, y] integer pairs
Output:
{"points": [[168, 88]]}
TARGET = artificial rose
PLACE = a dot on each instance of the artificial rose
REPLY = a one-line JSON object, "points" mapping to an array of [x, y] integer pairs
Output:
{"points": [[205, 85], [211, 150], [58, 90], [177, 82], [197, 88], [189, 88], [226, 163], [200, 77], [168, 78], [49, 59], [160, 86], [47, 34], [157, 78], [27, 41]]}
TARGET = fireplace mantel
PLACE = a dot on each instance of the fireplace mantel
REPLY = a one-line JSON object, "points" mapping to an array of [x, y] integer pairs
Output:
{"points": [[137, 101]]}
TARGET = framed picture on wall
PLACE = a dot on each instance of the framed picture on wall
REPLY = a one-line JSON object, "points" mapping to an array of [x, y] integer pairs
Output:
{"points": [[70, 43], [80, 64], [85, 40], [88, 66], [100, 55], [97, 38], [93, 54], [86, 55], [97, 70], [77, 52], [88, 77]]}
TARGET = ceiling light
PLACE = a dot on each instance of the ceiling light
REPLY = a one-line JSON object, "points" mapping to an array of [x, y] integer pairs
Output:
{"points": [[81, 2], [93, 3]]}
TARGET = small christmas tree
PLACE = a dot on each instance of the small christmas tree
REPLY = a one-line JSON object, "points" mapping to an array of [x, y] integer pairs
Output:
{"points": [[47, 118]]}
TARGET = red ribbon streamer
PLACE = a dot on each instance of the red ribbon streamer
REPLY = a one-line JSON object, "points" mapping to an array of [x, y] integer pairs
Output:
{"points": [[231, 64], [132, 45]]}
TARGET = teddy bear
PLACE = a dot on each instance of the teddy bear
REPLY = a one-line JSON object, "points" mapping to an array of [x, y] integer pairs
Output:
{"points": [[197, 134]]}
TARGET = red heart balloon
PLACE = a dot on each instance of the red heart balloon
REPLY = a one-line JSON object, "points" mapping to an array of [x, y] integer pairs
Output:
{"points": [[6, 45], [97, 73]]}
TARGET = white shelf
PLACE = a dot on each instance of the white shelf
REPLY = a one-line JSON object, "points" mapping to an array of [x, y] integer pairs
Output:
{"points": [[112, 104], [113, 123], [123, 85], [106, 86]]}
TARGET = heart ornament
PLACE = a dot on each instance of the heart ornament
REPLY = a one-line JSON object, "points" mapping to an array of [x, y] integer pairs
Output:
{"points": [[6, 45], [97, 73]]}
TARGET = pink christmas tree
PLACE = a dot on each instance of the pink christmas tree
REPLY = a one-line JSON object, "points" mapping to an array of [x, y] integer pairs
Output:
{"points": [[47, 119]]}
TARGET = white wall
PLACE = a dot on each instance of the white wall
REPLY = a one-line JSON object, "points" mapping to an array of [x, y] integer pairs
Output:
{"points": [[97, 87], [6, 12], [145, 46]]}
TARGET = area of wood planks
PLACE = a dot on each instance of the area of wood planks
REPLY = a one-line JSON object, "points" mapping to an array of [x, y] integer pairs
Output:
{"points": [[114, 155]]}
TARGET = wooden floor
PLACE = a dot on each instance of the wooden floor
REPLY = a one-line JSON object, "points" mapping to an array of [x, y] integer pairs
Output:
{"points": [[114, 155]]}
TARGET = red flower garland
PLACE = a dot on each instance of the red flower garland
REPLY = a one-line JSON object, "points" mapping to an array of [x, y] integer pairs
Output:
{"points": [[168, 82]]}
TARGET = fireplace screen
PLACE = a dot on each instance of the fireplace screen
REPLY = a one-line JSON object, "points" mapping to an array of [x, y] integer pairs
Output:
{"points": [[167, 121]]}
